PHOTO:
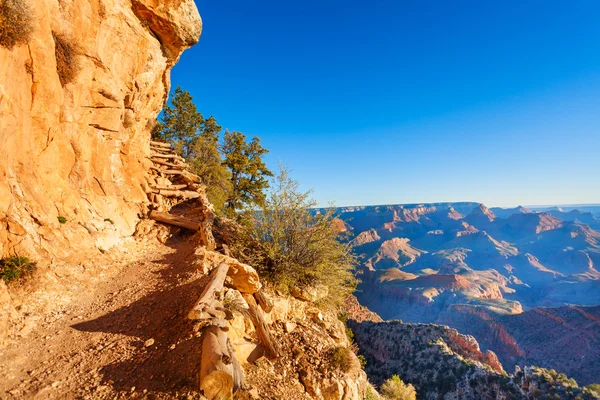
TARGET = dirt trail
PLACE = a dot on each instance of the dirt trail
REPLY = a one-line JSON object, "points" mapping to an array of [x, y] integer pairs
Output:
{"points": [[129, 338]]}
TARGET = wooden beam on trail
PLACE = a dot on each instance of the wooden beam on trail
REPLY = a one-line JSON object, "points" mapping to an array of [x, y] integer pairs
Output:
{"points": [[168, 164], [206, 305], [262, 329], [220, 372], [185, 194], [175, 220], [160, 144], [265, 303], [171, 156], [169, 187], [167, 171]]}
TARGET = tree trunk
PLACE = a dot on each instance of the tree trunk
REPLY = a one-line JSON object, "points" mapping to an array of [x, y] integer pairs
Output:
{"points": [[262, 329], [174, 220]]}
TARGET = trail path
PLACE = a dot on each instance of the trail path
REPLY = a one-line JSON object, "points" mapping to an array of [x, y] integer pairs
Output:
{"points": [[128, 338]]}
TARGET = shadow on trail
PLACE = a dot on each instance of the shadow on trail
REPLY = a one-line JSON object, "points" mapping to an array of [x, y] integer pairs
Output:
{"points": [[160, 315]]}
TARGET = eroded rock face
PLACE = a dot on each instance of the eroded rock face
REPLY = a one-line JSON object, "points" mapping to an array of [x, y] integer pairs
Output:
{"points": [[78, 149]]}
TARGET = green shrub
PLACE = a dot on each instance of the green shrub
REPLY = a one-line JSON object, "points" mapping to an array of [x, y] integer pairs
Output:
{"points": [[370, 394], [67, 65], [342, 358], [62, 220], [16, 23], [395, 389], [594, 387], [297, 246], [15, 268]]}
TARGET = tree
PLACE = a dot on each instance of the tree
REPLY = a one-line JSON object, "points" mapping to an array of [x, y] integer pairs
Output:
{"points": [[395, 389], [248, 172], [197, 140], [181, 123], [206, 162], [298, 246]]}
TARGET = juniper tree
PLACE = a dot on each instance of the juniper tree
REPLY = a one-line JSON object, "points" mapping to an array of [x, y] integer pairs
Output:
{"points": [[249, 172], [181, 123]]}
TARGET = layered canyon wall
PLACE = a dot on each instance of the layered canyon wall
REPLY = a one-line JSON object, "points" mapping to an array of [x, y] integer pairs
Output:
{"points": [[78, 99]]}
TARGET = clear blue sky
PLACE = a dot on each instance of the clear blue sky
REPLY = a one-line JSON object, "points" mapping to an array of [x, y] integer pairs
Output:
{"points": [[378, 102]]}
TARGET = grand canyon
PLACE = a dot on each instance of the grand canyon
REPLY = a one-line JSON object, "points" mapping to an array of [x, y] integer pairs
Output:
{"points": [[525, 283]]}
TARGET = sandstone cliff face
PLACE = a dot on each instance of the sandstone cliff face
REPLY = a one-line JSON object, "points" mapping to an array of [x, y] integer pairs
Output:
{"points": [[77, 149]]}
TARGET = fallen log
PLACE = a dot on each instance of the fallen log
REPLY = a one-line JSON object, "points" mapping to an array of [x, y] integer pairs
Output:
{"points": [[220, 372], [169, 187], [168, 164], [262, 329], [244, 278], [170, 156], [185, 194], [206, 305], [167, 171], [160, 144], [175, 220], [263, 300]]}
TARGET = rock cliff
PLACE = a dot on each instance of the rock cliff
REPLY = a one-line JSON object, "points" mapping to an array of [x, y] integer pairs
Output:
{"points": [[77, 102]]}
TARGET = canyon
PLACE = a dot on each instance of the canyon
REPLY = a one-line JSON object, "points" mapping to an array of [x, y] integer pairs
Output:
{"points": [[523, 283]]}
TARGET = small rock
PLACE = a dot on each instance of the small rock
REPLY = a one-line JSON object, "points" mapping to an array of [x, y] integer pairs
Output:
{"points": [[289, 327], [172, 347], [149, 342], [254, 393]]}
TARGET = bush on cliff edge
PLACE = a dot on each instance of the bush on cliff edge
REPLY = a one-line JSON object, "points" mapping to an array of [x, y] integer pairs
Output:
{"points": [[295, 246]]}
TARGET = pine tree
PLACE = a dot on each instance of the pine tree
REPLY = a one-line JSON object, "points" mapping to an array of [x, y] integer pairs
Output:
{"points": [[248, 172], [181, 123], [206, 162], [197, 140]]}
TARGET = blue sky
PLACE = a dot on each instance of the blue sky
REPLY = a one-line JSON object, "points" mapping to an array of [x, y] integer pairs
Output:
{"points": [[385, 102]]}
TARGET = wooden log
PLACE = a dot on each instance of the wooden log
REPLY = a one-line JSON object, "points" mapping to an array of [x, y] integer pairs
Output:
{"points": [[175, 220], [160, 144], [168, 164], [167, 171], [169, 156], [185, 194], [216, 365], [208, 297], [244, 278], [262, 329], [169, 187], [263, 300]]}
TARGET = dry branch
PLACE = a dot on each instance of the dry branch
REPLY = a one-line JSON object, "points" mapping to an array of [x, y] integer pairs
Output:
{"points": [[262, 329]]}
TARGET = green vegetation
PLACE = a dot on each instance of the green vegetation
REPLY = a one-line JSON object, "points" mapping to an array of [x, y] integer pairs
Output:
{"points": [[290, 244], [16, 23], [62, 220], [232, 168], [295, 246], [370, 394], [67, 65], [342, 358], [248, 172], [395, 389], [15, 268]]}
